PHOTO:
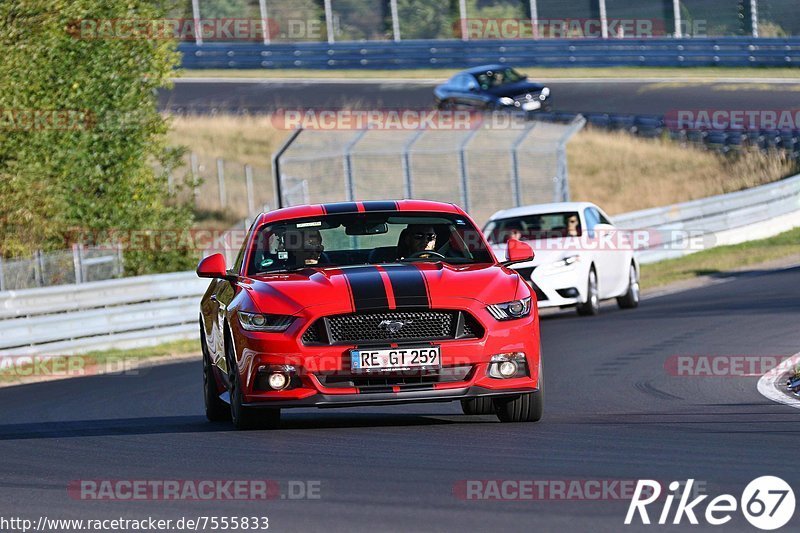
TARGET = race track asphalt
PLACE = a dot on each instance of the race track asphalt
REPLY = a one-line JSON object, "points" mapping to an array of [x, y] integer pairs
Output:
{"points": [[609, 96], [613, 412]]}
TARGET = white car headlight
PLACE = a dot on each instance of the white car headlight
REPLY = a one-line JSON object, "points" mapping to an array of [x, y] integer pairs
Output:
{"points": [[259, 322], [544, 94], [511, 310], [505, 100], [561, 265]]}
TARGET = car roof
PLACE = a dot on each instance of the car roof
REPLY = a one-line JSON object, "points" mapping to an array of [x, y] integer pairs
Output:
{"points": [[311, 210], [537, 209], [484, 68]]}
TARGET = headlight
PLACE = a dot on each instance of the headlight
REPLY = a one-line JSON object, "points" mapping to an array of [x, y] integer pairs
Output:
{"points": [[259, 322], [560, 265], [505, 100], [511, 310], [545, 93]]}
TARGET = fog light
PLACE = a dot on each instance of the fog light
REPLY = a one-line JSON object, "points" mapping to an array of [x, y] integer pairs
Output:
{"points": [[278, 380], [507, 368], [508, 365]]}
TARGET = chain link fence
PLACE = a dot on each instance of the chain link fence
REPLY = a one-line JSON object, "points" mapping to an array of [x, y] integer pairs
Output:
{"points": [[374, 20], [484, 169], [79, 265]]}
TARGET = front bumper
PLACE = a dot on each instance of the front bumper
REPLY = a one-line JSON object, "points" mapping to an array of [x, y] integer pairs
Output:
{"points": [[314, 364], [322, 400]]}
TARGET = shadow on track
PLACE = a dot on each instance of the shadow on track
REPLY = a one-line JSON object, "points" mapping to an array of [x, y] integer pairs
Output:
{"points": [[198, 424]]}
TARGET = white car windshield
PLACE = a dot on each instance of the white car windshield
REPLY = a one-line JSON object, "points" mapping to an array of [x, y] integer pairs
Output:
{"points": [[534, 227]]}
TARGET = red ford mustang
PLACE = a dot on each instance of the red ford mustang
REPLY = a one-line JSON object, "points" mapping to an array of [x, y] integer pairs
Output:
{"points": [[368, 303]]}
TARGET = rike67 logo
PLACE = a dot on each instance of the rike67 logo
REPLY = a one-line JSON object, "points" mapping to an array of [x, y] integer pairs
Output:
{"points": [[767, 503]]}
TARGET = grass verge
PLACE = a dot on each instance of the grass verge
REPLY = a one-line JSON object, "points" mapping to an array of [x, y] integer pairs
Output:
{"points": [[721, 259], [93, 363], [533, 72]]}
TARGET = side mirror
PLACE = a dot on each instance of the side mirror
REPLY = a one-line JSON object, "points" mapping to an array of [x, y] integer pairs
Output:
{"points": [[518, 252], [213, 266]]}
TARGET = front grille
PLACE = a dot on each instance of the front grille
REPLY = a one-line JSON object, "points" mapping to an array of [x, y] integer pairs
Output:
{"points": [[418, 325]]}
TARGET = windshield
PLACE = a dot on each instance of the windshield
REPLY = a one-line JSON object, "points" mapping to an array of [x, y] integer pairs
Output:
{"points": [[366, 238], [534, 227], [495, 78]]}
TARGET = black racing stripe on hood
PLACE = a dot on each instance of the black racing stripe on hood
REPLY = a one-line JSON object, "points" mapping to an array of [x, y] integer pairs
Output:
{"points": [[340, 207], [366, 286], [408, 286]]}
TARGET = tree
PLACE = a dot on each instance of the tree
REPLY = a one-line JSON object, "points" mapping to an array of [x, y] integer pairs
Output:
{"points": [[80, 134]]}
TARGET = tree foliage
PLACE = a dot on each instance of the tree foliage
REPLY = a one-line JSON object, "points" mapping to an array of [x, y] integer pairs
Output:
{"points": [[98, 173]]}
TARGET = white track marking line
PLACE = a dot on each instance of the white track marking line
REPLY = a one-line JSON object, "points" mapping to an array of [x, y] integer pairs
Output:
{"points": [[429, 81], [770, 385]]}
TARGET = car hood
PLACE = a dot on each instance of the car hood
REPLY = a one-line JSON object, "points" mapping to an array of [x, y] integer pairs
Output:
{"points": [[515, 89], [363, 288]]}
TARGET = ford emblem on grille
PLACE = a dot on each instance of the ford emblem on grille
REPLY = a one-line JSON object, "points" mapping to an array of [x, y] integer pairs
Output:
{"points": [[393, 326]]}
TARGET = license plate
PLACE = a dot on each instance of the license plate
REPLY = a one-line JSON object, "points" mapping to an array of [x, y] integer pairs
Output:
{"points": [[396, 358], [531, 106]]}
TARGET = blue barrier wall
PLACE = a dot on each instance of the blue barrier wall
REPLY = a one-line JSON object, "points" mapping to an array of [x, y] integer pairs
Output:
{"points": [[723, 51]]}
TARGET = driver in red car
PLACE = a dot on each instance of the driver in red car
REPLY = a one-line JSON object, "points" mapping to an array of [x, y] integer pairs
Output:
{"points": [[304, 246], [417, 238]]}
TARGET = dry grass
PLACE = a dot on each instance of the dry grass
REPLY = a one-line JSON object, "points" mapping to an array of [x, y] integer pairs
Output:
{"points": [[624, 173], [619, 172], [239, 140]]}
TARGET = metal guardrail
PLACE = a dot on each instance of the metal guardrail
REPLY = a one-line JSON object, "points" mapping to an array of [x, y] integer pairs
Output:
{"points": [[587, 52], [722, 219], [98, 315], [151, 309]]}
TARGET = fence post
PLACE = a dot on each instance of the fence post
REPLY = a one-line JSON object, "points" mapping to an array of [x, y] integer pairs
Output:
{"points": [[462, 159], [349, 184], [603, 19], [120, 261], [39, 268], [276, 167], [676, 11], [195, 172], [2, 277], [262, 6], [329, 21], [76, 263], [462, 10], [408, 184], [221, 180], [198, 33], [251, 201], [535, 18], [754, 17], [395, 21], [516, 188]]}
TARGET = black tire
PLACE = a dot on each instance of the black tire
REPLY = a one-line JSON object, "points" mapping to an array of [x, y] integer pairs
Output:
{"points": [[244, 418], [630, 299], [446, 105], [591, 306], [216, 409], [524, 407], [478, 406]]}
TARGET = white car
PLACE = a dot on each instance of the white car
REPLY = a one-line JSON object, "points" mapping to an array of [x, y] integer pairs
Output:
{"points": [[580, 258]]}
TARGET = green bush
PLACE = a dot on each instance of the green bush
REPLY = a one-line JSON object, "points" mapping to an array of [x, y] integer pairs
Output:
{"points": [[95, 171]]}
